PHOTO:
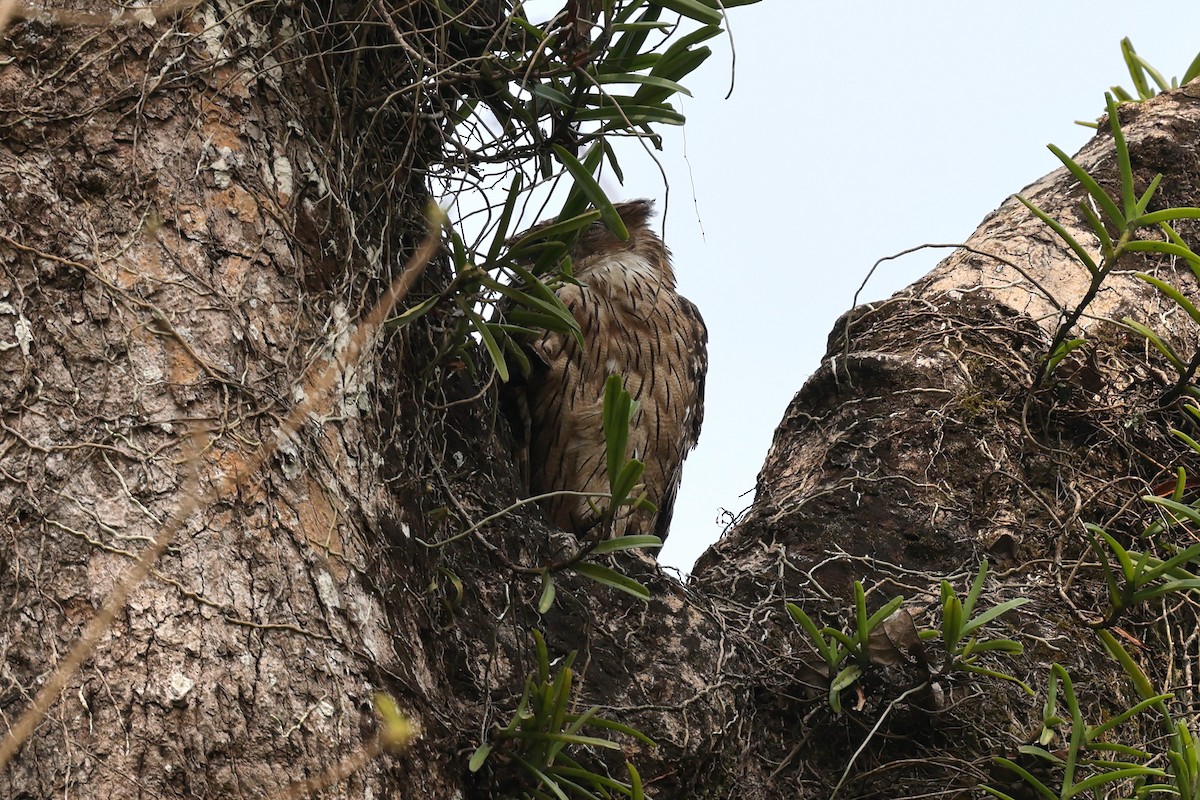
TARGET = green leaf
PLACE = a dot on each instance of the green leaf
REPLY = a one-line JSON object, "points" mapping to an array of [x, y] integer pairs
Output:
{"points": [[410, 315], [997, 645], [610, 577], [1144, 688], [1057, 227], [631, 114], [510, 204], [1108, 777], [1101, 197], [1166, 214], [567, 738], [1189, 441], [546, 601], [478, 757], [626, 543], [671, 87], [577, 195], [1159, 343], [976, 589], [1128, 713], [1124, 167], [551, 95], [488, 337], [680, 66], [845, 678], [1144, 202], [635, 783], [1192, 72], [860, 613], [555, 230], [693, 9], [1173, 293], [542, 777], [1177, 508], [554, 312], [883, 612], [630, 44], [612, 725], [1169, 248], [1028, 777], [1098, 227], [822, 647], [1133, 64], [615, 423], [992, 613], [952, 617], [613, 162], [1062, 351], [592, 191]]}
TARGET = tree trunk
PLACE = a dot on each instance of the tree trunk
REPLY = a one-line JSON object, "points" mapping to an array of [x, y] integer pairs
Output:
{"points": [[195, 212]]}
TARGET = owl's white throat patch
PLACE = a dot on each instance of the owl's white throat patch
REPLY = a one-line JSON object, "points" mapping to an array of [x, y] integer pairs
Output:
{"points": [[621, 271]]}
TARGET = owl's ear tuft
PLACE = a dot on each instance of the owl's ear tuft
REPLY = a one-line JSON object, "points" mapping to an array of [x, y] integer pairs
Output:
{"points": [[636, 213]]}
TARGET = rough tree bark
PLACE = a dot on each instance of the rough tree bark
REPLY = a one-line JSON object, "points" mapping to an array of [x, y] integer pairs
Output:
{"points": [[195, 211]]}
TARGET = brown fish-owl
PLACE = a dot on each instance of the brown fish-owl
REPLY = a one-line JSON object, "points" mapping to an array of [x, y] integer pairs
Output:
{"points": [[636, 325]]}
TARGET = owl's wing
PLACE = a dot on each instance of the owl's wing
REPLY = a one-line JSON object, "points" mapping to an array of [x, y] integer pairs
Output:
{"points": [[694, 336]]}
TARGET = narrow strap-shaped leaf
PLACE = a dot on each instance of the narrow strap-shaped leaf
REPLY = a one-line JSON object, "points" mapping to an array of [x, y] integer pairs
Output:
{"points": [[546, 601], [410, 315], [1028, 777], [1192, 72], [1157, 341], [976, 589], [1134, 66], [644, 80], [1177, 508], [545, 779], [1128, 713], [630, 44], [816, 638], [1057, 227], [489, 341], [1166, 214], [1085, 179], [613, 725], [1173, 293], [1144, 202], [631, 114], [560, 228], [612, 578], [1101, 231], [635, 783], [846, 678], [627, 543], [992, 613], [592, 191], [883, 612], [510, 204], [1124, 168], [1188, 440], [478, 757], [693, 9], [1088, 784]]}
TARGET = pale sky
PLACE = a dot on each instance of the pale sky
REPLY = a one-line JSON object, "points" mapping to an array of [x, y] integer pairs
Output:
{"points": [[857, 130]]}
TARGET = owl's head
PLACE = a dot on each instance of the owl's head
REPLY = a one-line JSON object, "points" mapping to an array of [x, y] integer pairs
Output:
{"points": [[598, 243]]}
